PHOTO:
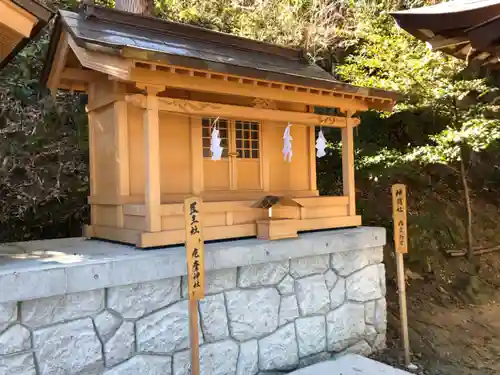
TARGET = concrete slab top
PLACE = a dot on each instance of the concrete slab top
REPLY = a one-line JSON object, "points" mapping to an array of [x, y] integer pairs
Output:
{"points": [[350, 364], [36, 269]]}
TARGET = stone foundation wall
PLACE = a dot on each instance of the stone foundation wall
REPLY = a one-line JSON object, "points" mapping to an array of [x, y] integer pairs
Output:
{"points": [[255, 319]]}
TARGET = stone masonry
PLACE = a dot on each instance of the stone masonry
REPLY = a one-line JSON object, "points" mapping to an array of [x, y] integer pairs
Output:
{"points": [[255, 319]]}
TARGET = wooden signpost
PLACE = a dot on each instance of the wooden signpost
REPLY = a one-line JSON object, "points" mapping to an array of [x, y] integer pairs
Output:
{"points": [[196, 274], [399, 209], [401, 246]]}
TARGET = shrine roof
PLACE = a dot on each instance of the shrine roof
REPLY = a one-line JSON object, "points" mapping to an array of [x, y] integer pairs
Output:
{"points": [[466, 29], [20, 22], [129, 35]]}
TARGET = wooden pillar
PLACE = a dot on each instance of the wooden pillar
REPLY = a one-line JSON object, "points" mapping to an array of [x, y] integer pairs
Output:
{"points": [[121, 156], [233, 163], [152, 161], [264, 136], [196, 156], [312, 158], [348, 166], [311, 130], [92, 160]]}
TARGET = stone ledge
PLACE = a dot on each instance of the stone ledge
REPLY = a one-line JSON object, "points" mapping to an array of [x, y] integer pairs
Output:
{"points": [[37, 269]]}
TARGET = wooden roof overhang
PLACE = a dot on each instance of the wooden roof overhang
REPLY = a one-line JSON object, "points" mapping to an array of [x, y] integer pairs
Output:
{"points": [[466, 29], [20, 22], [99, 42]]}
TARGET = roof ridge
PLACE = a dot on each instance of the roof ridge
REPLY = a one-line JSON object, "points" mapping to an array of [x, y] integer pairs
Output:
{"points": [[190, 31]]}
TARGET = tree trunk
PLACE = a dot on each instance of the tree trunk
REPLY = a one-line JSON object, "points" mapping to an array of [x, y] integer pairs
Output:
{"points": [[468, 206], [473, 287], [143, 7]]}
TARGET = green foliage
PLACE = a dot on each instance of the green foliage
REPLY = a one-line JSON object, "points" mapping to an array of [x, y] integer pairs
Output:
{"points": [[457, 100], [434, 84], [43, 153]]}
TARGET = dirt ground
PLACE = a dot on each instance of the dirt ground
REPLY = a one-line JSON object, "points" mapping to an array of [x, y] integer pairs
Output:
{"points": [[451, 333]]}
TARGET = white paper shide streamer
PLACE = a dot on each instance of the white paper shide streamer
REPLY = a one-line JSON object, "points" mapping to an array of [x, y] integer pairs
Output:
{"points": [[215, 146], [287, 144], [320, 144]]}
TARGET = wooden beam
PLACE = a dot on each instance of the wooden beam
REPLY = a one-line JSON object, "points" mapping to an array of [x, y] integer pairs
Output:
{"points": [[111, 65], [321, 201], [114, 234], [251, 113], [16, 18], [195, 83], [439, 42], [163, 238], [428, 33], [71, 87], [58, 64], [109, 92], [483, 56], [125, 70], [152, 157], [209, 233], [329, 222], [172, 209], [466, 50], [103, 100], [81, 75], [348, 168]]}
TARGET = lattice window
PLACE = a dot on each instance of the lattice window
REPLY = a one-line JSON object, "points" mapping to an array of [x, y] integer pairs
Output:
{"points": [[246, 135], [247, 139], [223, 126]]}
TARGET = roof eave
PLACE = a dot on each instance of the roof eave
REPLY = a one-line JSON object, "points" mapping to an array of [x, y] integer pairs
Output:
{"points": [[476, 32], [37, 9], [43, 15], [51, 51], [217, 67], [222, 68]]}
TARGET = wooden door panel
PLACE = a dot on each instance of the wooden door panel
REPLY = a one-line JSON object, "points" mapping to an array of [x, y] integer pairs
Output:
{"points": [[247, 171], [240, 167]]}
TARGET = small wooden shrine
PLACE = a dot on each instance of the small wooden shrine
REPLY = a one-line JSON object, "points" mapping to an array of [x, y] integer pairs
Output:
{"points": [[20, 22], [176, 110]]}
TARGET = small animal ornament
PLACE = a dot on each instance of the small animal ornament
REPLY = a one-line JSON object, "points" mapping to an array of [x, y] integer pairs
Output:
{"points": [[215, 146], [287, 144], [320, 144]]}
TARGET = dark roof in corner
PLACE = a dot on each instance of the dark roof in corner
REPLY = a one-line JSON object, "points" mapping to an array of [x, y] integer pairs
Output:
{"points": [[42, 13], [197, 48], [466, 29]]}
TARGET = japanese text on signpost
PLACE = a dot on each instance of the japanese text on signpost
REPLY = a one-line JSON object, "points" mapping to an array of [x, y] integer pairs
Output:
{"points": [[194, 249], [399, 217]]}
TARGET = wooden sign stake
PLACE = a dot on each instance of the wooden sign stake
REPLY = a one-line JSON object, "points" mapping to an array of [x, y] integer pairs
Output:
{"points": [[196, 274], [194, 341], [401, 246]]}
